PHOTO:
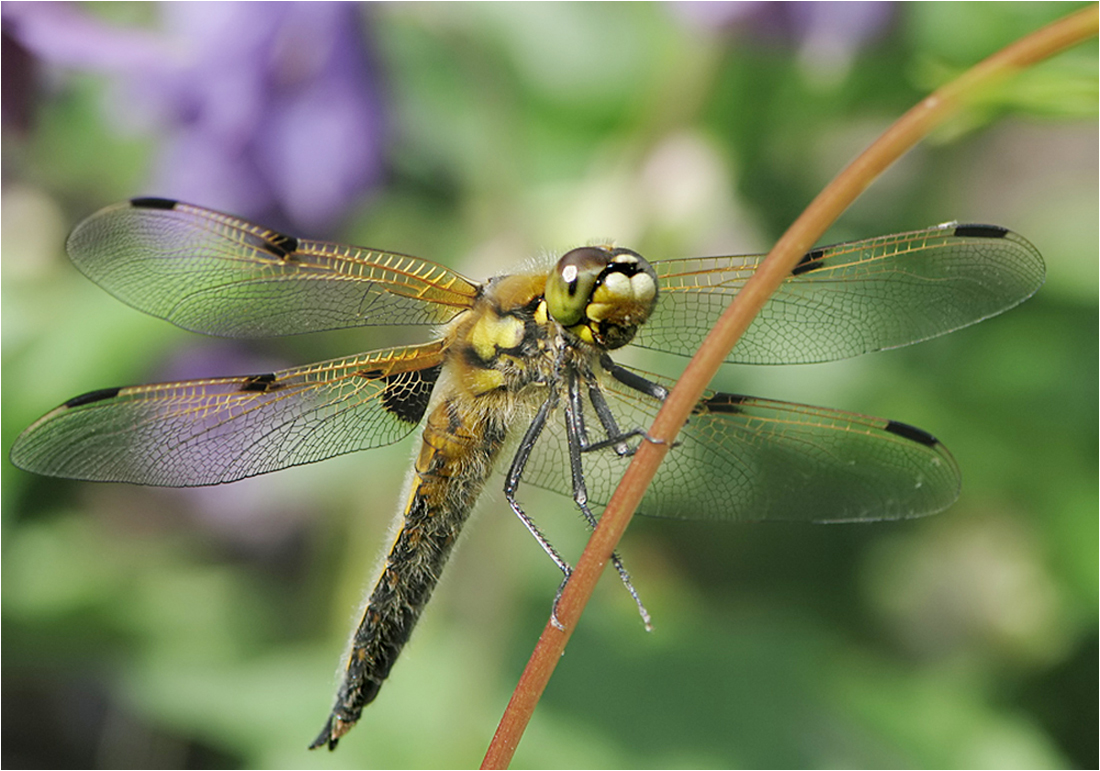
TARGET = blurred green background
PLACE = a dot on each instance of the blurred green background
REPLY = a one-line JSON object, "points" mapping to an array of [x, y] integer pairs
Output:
{"points": [[171, 628]]}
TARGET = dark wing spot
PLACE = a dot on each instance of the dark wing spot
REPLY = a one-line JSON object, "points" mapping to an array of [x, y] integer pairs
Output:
{"points": [[153, 203], [810, 261], [911, 432], [260, 383], [981, 231], [281, 245], [729, 404], [407, 393], [93, 396]]}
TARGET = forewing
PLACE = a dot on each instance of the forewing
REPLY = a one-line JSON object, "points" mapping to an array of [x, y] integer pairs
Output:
{"points": [[217, 274], [202, 432], [745, 459], [851, 298]]}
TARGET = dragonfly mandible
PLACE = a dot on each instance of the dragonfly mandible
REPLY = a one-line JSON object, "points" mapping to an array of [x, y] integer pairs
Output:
{"points": [[531, 349]]}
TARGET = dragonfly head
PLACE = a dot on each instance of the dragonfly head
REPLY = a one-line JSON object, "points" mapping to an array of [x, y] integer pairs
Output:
{"points": [[601, 294]]}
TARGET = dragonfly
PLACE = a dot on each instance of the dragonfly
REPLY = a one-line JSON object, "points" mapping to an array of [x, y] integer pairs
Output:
{"points": [[521, 369]]}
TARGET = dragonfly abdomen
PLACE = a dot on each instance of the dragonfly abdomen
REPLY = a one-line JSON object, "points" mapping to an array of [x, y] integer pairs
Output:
{"points": [[455, 458]]}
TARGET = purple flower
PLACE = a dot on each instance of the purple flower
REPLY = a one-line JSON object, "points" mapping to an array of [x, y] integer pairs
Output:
{"points": [[271, 110]]}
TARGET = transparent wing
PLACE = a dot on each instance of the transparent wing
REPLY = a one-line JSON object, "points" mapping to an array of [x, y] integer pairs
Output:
{"points": [[213, 273], [202, 432], [740, 458], [851, 298]]}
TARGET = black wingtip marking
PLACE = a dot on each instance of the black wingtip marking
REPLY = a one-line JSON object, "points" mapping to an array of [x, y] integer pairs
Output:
{"points": [[912, 432], [281, 245], [153, 203], [407, 394], [93, 396], [729, 404], [260, 383], [810, 261], [981, 231]]}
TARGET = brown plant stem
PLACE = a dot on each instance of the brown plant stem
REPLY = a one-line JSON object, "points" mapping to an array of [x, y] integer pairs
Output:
{"points": [[799, 238]]}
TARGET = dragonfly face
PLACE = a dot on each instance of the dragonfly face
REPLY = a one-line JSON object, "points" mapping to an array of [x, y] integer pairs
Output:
{"points": [[601, 295], [531, 350]]}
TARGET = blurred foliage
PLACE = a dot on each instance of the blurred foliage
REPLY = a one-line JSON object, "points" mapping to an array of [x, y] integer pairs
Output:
{"points": [[150, 628]]}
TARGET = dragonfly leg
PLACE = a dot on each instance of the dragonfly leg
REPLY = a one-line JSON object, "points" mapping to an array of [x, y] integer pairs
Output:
{"points": [[615, 441], [543, 541], [633, 381], [577, 436], [511, 484], [515, 473], [554, 608]]}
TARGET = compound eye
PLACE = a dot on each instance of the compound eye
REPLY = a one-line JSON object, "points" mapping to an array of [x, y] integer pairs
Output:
{"points": [[570, 285]]}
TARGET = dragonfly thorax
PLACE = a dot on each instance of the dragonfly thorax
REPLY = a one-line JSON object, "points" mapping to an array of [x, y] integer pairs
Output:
{"points": [[503, 341], [601, 294]]}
